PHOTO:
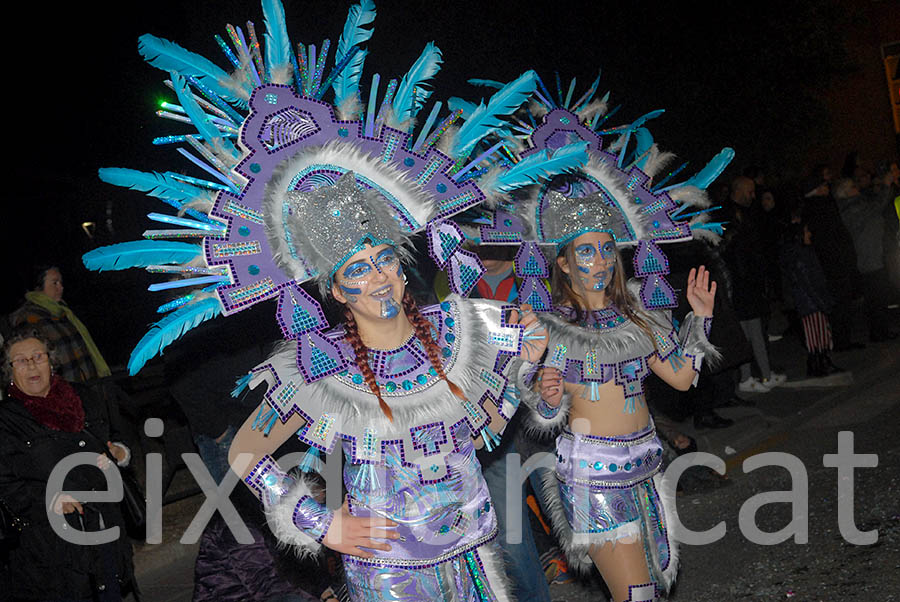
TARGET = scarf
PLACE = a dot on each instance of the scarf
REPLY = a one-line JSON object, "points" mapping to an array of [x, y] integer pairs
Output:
{"points": [[57, 309], [60, 410]]}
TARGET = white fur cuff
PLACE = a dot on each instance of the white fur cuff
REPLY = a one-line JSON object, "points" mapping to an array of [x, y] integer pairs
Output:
{"points": [[283, 520]]}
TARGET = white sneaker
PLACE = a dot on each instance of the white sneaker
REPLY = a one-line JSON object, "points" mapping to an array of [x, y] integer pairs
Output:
{"points": [[753, 385], [775, 380]]}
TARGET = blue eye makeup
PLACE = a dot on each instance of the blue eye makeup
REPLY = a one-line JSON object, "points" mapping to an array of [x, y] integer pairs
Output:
{"points": [[386, 260], [585, 253], [357, 270], [608, 250]]}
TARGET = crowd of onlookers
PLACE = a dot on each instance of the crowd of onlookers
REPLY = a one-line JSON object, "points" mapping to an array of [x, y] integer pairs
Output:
{"points": [[822, 253]]}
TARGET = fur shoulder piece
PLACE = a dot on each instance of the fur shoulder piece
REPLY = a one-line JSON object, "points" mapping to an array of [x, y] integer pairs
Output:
{"points": [[475, 342]]}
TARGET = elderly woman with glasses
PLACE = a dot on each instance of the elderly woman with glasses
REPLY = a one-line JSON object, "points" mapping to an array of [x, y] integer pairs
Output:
{"points": [[46, 420]]}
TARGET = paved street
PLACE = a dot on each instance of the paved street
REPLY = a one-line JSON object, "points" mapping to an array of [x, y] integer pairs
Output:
{"points": [[800, 420]]}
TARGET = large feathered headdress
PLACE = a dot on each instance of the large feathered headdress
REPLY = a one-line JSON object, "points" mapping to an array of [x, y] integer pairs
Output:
{"points": [[619, 190], [296, 171]]}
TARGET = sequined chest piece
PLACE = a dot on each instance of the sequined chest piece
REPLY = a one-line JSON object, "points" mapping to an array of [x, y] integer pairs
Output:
{"points": [[592, 367], [407, 369]]}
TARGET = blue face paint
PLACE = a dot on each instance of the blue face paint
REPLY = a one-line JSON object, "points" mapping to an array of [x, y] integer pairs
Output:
{"points": [[596, 263], [389, 308], [357, 270], [350, 293]]}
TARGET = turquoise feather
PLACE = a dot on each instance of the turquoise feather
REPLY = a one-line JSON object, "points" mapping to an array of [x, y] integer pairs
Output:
{"points": [[278, 44], [487, 119], [703, 178], [154, 184], [346, 85], [169, 329], [455, 104], [411, 93], [543, 165], [140, 253], [169, 56], [197, 115], [487, 83]]}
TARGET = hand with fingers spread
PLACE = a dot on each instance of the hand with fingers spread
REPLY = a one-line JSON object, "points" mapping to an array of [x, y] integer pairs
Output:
{"points": [[351, 535], [551, 386], [701, 292], [534, 337]]}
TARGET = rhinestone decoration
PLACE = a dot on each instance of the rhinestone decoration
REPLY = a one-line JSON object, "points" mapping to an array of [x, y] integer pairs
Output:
{"points": [[252, 291], [323, 427], [232, 207], [232, 249]]}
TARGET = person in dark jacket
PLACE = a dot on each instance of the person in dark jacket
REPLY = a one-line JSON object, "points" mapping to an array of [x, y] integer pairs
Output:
{"points": [[837, 256], [745, 258], [45, 420], [812, 298]]}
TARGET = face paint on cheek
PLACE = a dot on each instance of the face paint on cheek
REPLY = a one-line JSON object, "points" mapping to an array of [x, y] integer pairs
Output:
{"points": [[350, 293], [604, 280], [389, 308]]}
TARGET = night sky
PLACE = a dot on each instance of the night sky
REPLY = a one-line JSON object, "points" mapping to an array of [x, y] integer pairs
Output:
{"points": [[719, 69]]}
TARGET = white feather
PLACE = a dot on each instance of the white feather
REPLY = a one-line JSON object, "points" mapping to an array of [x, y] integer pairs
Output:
{"points": [[537, 108], [690, 195], [597, 107], [656, 161]]}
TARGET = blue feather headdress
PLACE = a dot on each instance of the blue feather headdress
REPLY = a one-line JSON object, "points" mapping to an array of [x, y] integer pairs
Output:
{"points": [[289, 120], [619, 188]]}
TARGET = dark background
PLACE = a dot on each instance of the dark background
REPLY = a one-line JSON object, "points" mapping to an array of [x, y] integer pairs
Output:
{"points": [[770, 79]]}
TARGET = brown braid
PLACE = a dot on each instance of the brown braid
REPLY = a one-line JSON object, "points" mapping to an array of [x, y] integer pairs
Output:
{"points": [[423, 330], [361, 353]]}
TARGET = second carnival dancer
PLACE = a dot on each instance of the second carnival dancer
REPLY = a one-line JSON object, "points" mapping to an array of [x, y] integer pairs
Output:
{"points": [[606, 334], [330, 192]]}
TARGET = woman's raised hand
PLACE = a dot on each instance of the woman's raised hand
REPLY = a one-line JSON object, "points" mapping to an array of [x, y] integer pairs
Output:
{"points": [[701, 293], [551, 386], [350, 534], [534, 336]]}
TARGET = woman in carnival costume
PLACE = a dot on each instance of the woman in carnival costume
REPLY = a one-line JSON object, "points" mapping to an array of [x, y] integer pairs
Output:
{"points": [[331, 192], [606, 335]]}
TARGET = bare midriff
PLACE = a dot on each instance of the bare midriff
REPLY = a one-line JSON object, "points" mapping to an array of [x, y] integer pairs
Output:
{"points": [[604, 417]]}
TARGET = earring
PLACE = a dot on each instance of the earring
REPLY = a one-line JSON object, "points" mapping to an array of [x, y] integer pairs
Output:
{"points": [[405, 280]]}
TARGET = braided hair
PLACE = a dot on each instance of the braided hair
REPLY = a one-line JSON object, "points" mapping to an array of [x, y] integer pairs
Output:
{"points": [[422, 328]]}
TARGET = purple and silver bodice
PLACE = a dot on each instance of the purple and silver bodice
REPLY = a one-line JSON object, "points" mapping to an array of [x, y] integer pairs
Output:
{"points": [[420, 469], [607, 346]]}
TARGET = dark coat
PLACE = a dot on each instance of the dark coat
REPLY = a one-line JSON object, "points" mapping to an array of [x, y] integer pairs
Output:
{"points": [[42, 564], [745, 256], [807, 280]]}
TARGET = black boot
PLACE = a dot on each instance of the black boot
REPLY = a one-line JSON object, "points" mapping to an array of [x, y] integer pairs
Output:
{"points": [[813, 365], [828, 366]]}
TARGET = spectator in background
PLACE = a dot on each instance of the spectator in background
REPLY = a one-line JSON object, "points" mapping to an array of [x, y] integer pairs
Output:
{"points": [[887, 184], [745, 258], [862, 214], [45, 420], [45, 310], [834, 248], [812, 299]]}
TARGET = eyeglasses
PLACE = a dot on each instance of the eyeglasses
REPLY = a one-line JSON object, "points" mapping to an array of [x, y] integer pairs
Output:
{"points": [[38, 359]]}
